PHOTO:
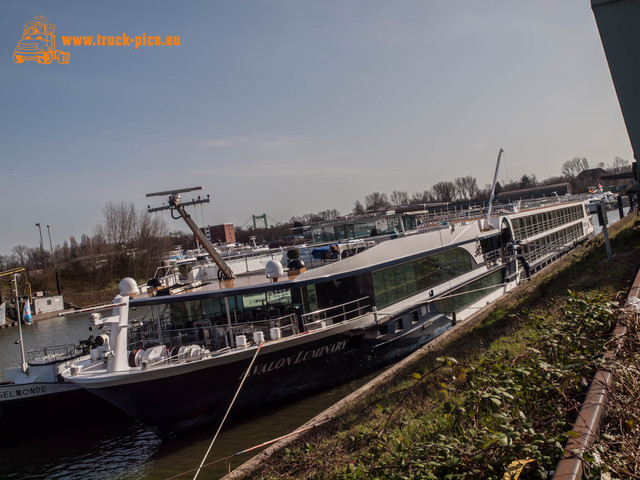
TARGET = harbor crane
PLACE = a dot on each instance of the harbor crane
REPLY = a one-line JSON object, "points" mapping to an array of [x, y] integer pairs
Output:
{"points": [[176, 204]]}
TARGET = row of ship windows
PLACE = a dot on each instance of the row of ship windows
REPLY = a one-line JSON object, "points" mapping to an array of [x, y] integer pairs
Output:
{"points": [[524, 227], [390, 285], [550, 243], [454, 302], [398, 282]]}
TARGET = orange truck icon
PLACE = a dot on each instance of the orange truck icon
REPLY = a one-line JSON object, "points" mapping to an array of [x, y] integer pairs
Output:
{"points": [[38, 43]]}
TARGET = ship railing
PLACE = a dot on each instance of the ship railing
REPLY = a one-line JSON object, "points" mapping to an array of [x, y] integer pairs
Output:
{"points": [[467, 212], [211, 337], [286, 326], [216, 337], [460, 213], [168, 274], [492, 257], [545, 225], [335, 314], [51, 354], [273, 253]]}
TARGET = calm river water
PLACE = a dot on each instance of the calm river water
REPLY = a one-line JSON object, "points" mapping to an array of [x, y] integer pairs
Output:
{"points": [[124, 449]]}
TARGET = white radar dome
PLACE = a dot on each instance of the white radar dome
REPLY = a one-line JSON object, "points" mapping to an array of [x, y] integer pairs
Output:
{"points": [[273, 268], [128, 287]]}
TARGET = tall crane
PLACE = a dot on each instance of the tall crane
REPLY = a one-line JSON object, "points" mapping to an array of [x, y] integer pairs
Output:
{"points": [[176, 204]]}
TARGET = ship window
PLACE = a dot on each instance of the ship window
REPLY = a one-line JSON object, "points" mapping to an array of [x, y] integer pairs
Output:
{"points": [[183, 313], [363, 229], [410, 222], [282, 297], [254, 300], [380, 289], [339, 232], [211, 307], [414, 317], [398, 324], [383, 329], [395, 283], [469, 293], [310, 298]]}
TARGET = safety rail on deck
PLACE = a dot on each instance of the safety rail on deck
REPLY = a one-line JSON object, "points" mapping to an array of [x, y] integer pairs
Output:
{"points": [[456, 213], [548, 222], [55, 353], [335, 314], [168, 275], [213, 336], [562, 242], [492, 257]]}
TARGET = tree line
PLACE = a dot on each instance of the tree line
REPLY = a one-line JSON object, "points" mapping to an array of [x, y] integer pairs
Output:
{"points": [[460, 190], [128, 243]]}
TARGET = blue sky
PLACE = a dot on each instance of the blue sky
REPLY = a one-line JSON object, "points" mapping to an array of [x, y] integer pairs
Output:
{"points": [[290, 107]]}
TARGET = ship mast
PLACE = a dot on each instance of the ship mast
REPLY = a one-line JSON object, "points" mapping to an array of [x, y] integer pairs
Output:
{"points": [[25, 366], [176, 203]]}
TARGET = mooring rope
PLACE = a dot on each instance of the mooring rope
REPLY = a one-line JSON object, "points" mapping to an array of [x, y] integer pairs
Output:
{"points": [[246, 374], [246, 450]]}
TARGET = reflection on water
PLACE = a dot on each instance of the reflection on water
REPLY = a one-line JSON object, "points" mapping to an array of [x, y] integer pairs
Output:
{"points": [[43, 333], [117, 453], [130, 451], [126, 449]]}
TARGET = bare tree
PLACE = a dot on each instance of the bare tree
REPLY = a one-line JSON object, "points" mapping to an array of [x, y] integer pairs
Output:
{"points": [[399, 197], [444, 191], [120, 222], [552, 180], [572, 168], [466, 188], [619, 165], [528, 181], [22, 254], [329, 215], [149, 245], [376, 200], [308, 218], [85, 244], [74, 247], [422, 197], [66, 253], [358, 208]]}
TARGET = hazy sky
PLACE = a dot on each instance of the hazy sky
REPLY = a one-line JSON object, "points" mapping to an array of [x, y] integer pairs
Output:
{"points": [[290, 107]]}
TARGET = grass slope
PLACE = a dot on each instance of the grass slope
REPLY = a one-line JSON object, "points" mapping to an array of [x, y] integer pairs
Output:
{"points": [[503, 388]]}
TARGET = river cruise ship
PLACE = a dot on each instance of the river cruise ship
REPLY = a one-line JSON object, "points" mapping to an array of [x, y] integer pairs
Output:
{"points": [[182, 353]]}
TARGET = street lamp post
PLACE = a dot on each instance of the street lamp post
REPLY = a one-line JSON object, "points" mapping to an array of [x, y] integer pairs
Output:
{"points": [[53, 262], [44, 258]]}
